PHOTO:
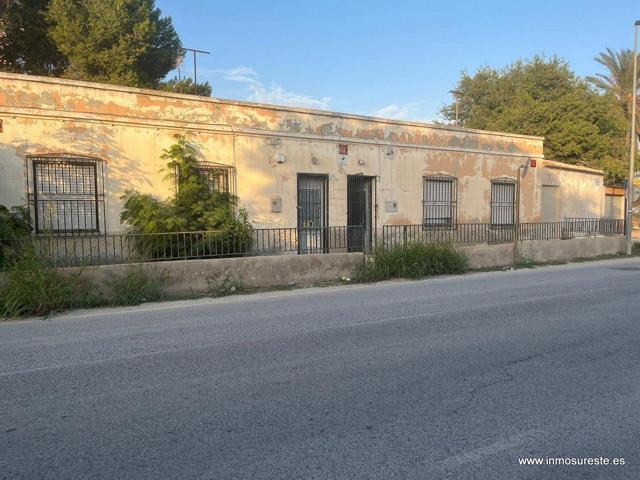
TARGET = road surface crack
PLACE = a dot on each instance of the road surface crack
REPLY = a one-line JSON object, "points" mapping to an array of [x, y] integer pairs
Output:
{"points": [[506, 377]]}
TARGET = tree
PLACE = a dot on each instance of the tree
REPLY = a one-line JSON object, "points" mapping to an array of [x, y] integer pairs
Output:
{"points": [[186, 85], [544, 97], [124, 42], [25, 45], [195, 207], [619, 80]]}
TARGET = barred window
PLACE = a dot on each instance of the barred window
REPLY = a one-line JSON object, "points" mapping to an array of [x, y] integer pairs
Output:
{"points": [[66, 194], [220, 178], [503, 201], [439, 207]]}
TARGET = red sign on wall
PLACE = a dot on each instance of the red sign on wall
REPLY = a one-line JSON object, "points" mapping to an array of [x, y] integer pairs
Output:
{"points": [[343, 149]]}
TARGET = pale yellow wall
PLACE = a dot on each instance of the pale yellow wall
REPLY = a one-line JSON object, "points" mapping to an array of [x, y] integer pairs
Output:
{"points": [[614, 206], [581, 193], [129, 128]]}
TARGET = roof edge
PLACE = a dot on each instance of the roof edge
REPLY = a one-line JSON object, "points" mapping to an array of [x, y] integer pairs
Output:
{"points": [[197, 98], [569, 166]]}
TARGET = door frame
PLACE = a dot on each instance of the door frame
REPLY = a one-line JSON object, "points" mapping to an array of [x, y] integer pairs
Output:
{"points": [[325, 217], [371, 181]]}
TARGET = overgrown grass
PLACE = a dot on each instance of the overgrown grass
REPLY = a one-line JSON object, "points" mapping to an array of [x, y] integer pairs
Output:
{"points": [[33, 287], [415, 260], [136, 286]]}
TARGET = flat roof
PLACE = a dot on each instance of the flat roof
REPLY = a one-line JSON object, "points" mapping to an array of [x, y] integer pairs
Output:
{"points": [[198, 98], [569, 166]]}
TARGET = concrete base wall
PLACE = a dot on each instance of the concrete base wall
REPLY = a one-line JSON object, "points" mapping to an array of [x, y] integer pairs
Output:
{"points": [[487, 256], [562, 250], [185, 277]]}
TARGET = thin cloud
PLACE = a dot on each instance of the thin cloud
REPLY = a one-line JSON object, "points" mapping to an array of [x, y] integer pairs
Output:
{"points": [[403, 111], [240, 74], [279, 96], [274, 94]]}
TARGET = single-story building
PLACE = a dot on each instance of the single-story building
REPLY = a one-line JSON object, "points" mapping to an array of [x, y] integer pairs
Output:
{"points": [[70, 149]]}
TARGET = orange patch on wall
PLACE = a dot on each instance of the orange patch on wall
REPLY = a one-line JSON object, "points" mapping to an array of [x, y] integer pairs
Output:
{"points": [[398, 220]]}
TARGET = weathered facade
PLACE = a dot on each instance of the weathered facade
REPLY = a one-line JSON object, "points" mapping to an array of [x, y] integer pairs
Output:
{"points": [[289, 166], [571, 191]]}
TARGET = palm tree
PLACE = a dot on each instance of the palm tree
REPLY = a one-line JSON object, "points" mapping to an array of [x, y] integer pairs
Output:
{"points": [[619, 80]]}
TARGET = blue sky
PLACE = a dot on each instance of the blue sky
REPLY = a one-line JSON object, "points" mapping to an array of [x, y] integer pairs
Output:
{"points": [[393, 59]]}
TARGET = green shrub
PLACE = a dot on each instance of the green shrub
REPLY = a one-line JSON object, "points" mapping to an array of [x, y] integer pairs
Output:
{"points": [[525, 263], [415, 260], [34, 287], [136, 286], [195, 207], [14, 230]]}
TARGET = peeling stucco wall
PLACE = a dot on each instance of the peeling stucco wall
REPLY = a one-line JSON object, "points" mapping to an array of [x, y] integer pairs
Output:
{"points": [[128, 129], [581, 192]]}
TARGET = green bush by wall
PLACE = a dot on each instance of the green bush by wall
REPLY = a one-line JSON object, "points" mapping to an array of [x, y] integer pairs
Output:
{"points": [[411, 261]]}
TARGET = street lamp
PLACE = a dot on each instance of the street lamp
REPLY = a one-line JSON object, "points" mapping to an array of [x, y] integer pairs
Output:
{"points": [[634, 141]]}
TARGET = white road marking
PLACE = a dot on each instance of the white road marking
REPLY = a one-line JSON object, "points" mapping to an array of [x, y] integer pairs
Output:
{"points": [[505, 444]]}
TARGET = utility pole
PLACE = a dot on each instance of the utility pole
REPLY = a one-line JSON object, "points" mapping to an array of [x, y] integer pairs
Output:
{"points": [[195, 66], [522, 168], [634, 142]]}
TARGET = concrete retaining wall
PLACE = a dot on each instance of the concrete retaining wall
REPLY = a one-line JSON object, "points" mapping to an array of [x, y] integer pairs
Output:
{"points": [[186, 277], [487, 256], [562, 250], [203, 276]]}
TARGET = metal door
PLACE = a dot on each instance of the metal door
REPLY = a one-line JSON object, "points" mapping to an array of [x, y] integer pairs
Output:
{"points": [[359, 211], [312, 213]]}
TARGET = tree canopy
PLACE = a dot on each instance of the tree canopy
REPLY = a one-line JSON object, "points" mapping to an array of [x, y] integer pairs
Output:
{"points": [[125, 42], [186, 85], [25, 44], [618, 81], [544, 97]]}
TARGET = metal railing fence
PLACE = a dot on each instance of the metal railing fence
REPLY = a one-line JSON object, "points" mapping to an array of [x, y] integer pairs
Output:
{"points": [[68, 250], [470, 233], [138, 247]]}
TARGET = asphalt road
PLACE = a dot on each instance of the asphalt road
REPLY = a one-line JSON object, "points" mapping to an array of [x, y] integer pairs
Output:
{"points": [[455, 377]]}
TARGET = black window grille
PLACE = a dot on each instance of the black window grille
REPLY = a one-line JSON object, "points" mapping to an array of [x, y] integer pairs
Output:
{"points": [[503, 202], [439, 201], [220, 178], [66, 194]]}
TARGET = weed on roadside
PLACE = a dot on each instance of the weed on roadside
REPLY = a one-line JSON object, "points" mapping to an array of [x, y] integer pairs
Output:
{"points": [[136, 285], [34, 287], [411, 261]]}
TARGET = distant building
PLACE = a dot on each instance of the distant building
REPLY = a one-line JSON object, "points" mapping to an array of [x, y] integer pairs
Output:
{"points": [[70, 149]]}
